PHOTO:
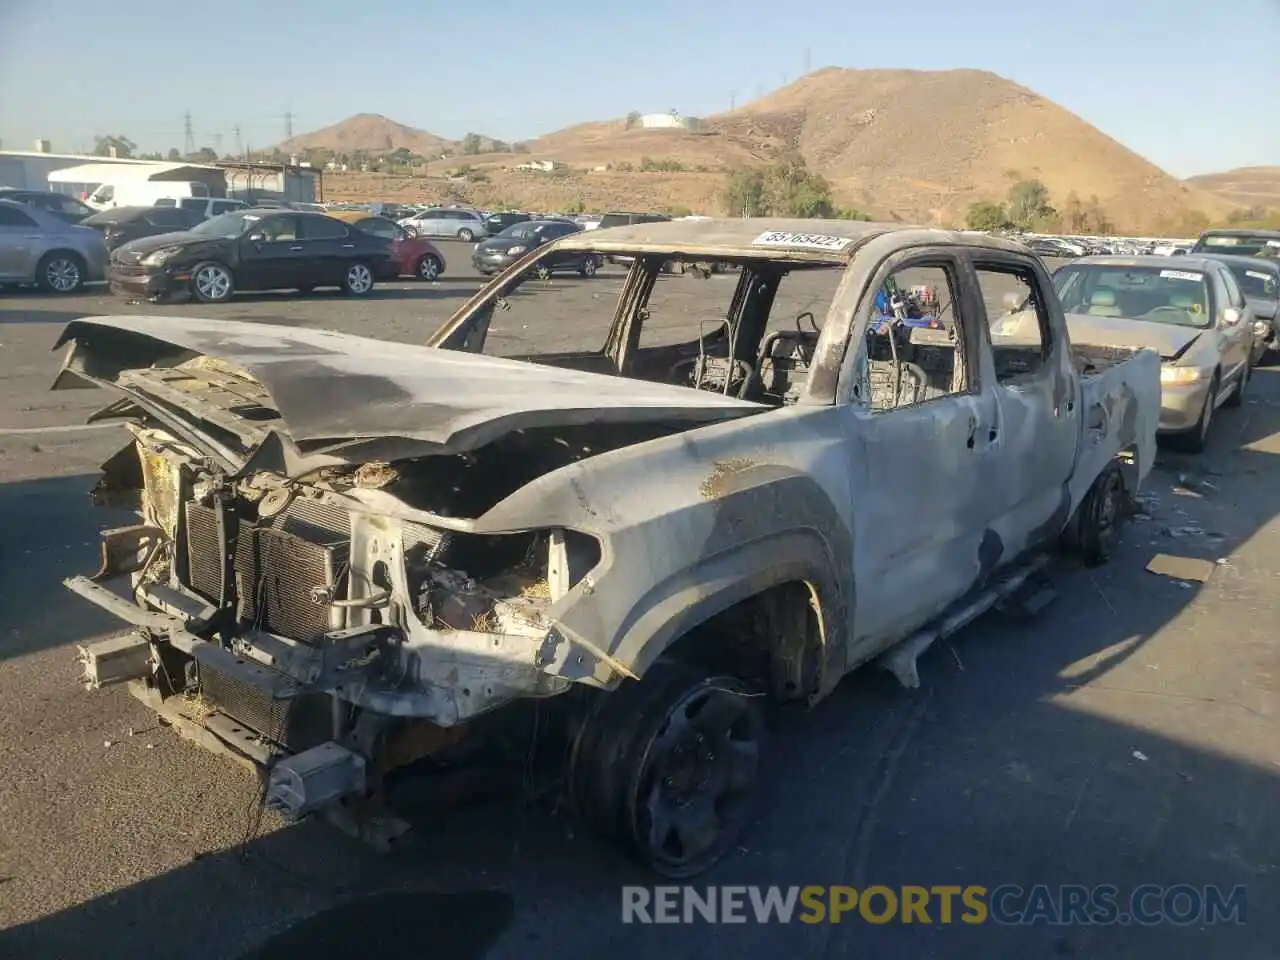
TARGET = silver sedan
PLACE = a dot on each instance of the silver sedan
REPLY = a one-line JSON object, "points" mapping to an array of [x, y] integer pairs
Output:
{"points": [[1190, 309], [37, 247]]}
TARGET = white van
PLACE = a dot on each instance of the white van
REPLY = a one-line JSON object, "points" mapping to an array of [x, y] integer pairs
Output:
{"points": [[144, 193]]}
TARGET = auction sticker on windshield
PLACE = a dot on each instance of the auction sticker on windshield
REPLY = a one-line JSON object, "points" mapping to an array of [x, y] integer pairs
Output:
{"points": [[815, 241], [1256, 275], [1181, 275]]}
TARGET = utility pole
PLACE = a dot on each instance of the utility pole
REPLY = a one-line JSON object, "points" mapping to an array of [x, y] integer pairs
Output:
{"points": [[188, 135], [733, 99], [239, 145]]}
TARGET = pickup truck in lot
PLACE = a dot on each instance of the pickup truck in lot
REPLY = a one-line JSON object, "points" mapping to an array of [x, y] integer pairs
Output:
{"points": [[352, 555]]}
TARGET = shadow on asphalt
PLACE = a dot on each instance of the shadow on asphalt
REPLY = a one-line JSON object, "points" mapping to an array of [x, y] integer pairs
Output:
{"points": [[40, 316], [992, 773]]}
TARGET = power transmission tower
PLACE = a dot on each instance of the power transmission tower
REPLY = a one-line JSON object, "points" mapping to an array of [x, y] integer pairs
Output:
{"points": [[239, 147], [733, 99], [288, 125], [188, 135]]}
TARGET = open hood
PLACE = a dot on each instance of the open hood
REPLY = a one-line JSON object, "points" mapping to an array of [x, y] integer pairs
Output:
{"points": [[331, 389], [1169, 340]]}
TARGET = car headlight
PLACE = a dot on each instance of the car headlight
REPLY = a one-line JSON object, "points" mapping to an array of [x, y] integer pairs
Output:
{"points": [[1181, 374], [157, 258], [516, 251]]}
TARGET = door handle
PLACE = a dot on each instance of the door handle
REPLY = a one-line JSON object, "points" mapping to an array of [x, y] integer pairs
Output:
{"points": [[348, 246], [296, 249]]}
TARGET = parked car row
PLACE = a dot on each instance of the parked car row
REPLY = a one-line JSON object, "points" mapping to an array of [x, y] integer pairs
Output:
{"points": [[1212, 318]]}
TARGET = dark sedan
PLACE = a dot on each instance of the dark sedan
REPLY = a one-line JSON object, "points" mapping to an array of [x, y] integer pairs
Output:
{"points": [[497, 253], [252, 250], [120, 225]]}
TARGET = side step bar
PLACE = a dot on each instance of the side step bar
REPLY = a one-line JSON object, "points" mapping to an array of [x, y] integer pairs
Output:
{"points": [[900, 660]]}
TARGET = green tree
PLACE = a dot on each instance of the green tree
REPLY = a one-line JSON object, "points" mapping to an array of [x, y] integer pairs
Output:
{"points": [[203, 155], [744, 194], [793, 191], [985, 215], [173, 156], [499, 146], [1028, 202], [113, 146], [471, 144], [783, 189], [633, 119]]}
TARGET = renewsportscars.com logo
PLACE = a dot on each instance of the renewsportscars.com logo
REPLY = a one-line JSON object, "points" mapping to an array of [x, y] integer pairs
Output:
{"points": [[1010, 905]]}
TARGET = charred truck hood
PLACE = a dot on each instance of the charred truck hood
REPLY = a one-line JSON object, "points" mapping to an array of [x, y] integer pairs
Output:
{"points": [[328, 398]]}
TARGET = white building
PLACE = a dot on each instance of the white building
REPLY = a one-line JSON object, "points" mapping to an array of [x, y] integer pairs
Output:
{"points": [[664, 121]]}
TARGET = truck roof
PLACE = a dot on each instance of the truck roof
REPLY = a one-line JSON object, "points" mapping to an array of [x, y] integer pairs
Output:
{"points": [[827, 240]]}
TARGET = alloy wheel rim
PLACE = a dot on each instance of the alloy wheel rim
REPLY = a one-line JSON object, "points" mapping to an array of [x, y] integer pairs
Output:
{"points": [[62, 274], [213, 283], [429, 270], [359, 279]]}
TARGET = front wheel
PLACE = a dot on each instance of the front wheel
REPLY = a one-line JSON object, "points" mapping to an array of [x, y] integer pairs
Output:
{"points": [[1195, 440], [668, 767], [212, 283], [428, 268], [60, 273], [358, 280], [1237, 395], [588, 268], [465, 235]]}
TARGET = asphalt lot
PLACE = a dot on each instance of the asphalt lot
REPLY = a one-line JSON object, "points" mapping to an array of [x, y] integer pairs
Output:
{"points": [[1126, 736]]}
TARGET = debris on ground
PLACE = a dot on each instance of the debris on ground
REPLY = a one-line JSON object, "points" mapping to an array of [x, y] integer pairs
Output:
{"points": [[1181, 568], [1187, 530], [1139, 755]]}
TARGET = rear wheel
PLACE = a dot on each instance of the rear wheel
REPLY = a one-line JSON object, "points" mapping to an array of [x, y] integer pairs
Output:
{"points": [[668, 767], [212, 283], [60, 273], [1095, 529], [466, 235], [358, 280], [588, 268]]}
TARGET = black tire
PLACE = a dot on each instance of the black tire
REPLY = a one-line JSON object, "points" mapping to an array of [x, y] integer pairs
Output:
{"points": [[61, 272], [212, 282], [427, 268], [1237, 395], [1095, 529], [466, 235], [1195, 439], [679, 748], [357, 280], [588, 268]]}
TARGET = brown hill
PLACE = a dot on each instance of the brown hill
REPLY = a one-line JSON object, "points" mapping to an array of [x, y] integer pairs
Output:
{"points": [[921, 145], [1244, 187], [372, 133]]}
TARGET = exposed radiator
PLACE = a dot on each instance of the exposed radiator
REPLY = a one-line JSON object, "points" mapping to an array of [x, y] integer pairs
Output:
{"points": [[295, 724], [279, 564]]}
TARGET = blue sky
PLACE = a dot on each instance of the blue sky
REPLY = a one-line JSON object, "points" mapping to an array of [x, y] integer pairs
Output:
{"points": [[1173, 81]]}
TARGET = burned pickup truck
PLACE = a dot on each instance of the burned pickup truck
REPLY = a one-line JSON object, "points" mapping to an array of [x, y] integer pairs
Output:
{"points": [[354, 554]]}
